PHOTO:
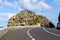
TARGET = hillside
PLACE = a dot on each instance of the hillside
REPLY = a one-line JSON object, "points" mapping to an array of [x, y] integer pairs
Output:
{"points": [[28, 18]]}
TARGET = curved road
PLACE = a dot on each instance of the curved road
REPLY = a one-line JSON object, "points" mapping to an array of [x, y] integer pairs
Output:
{"points": [[40, 34], [17, 34], [31, 34]]}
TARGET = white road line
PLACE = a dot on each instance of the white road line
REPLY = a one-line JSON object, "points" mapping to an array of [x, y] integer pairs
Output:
{"points": [[29, 34], [51, 32], [33, 39]]}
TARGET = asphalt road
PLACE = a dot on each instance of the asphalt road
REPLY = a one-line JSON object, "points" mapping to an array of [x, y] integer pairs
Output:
{"points": [[18, 34], [40, 34], [53, 30], [31, 34]]}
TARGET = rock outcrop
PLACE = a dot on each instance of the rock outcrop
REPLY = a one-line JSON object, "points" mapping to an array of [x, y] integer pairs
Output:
{"points": [[27, 17]]}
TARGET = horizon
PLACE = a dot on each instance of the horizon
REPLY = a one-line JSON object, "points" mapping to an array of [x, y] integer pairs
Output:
{"points": [[48, 8]]}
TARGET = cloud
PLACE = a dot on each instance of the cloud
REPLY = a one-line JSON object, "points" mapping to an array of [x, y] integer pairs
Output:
{"points": [[10, 15], [28, 4], [12, 5], [20, 9], [7, 3], [6, 16], [34, 1], [1, 1], [57, 2], [41, 5], [44, 6], [3, 18], [15, 4]]}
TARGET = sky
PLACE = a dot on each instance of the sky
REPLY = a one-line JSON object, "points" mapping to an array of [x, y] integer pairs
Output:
{"points": [[47, 8]]}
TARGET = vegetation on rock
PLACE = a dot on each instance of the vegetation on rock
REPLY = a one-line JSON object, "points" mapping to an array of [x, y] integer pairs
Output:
{"points": [[28, 17]]}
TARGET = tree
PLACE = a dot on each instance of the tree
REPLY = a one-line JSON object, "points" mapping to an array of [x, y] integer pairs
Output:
{"points": [[58, 24], [28, 17], [59, 17]]}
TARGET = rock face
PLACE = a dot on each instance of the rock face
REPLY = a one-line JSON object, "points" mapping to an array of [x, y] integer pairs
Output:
{"points": [[27, 17]]}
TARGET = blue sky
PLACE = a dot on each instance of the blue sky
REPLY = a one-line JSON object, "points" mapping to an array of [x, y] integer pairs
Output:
{"points": [[47, 8]]}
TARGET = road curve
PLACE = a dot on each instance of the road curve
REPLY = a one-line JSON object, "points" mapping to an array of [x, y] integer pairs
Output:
{"points": [[28, 33], [40, 34], [37, 33], [18, 34], [51, 32]]}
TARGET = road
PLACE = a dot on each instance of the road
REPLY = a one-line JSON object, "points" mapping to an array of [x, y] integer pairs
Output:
{"points": [[53, 30], [32, 34], [41, 34], [18, 34]]}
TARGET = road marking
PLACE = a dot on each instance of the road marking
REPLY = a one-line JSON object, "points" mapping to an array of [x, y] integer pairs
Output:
{"points": [[50, 32], [29, 34], [33, 39]]}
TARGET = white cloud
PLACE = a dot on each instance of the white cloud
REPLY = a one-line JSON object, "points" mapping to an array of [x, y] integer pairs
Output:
{"points": [[27, 4], [7, 3], [44, 6], [1, 1], [34, 1], [1, 18], [12, 5], [6, 16], [20, 9], [57, 2], [10, 15], [40, 5]]}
